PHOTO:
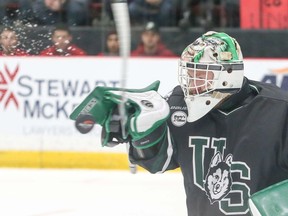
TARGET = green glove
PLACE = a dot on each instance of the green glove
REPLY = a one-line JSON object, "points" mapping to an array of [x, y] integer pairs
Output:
{"points": [[96, 105], [101, 107], [271, 201], [147, 112]]}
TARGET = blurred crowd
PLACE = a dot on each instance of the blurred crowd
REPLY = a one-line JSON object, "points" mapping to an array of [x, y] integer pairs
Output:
{"points": [[62, 15], [61, 43], [194, 13]]}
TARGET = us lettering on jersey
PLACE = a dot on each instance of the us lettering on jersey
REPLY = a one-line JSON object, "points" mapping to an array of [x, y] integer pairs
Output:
{"points": [[216, 181]]}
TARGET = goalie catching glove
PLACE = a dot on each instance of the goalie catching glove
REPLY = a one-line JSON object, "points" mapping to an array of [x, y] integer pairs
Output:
{"points": [[146, 114]]}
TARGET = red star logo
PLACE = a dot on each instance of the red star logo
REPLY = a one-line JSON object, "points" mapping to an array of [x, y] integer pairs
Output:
{"points": [[4, 86]]}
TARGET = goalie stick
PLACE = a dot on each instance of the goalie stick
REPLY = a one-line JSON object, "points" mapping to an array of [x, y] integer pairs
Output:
{"points": [[122, 22]]}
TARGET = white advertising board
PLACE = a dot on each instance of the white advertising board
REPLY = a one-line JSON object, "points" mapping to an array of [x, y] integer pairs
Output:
{"points": [[37, 94]]}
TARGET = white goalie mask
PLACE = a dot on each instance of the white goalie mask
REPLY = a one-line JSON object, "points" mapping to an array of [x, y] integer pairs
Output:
{"points": [[210, 70]]}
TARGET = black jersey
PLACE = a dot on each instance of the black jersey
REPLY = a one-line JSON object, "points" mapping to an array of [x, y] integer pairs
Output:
{"points": [[230, 153]]}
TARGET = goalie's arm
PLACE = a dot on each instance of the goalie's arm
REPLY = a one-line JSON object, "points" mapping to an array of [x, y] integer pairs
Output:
{"points": [[151, 143], [159, 157]]}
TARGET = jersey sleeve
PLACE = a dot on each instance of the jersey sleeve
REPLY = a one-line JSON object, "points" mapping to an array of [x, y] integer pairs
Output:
{"points": [[161, 157]]}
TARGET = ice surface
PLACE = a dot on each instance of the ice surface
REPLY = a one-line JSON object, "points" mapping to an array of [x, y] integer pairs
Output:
{"points": [[62, 192]]}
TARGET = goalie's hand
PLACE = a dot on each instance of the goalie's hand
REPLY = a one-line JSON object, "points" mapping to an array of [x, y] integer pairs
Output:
{"points": [[147, 112], [145, 108]]}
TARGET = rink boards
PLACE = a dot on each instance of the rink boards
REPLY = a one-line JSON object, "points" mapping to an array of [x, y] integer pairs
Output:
{"points": [[37, 94]]}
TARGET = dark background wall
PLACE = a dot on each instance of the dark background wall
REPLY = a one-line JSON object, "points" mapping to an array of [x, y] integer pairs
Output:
{"points": [[254, 43]]}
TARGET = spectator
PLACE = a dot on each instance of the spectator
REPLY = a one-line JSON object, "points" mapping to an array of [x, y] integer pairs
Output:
{"points": [[151, 44], [207, 13], [10, 44], [232, 12], [159, 11], [112, 45], [62, 44], [8, 11], [217, 11], [50, 12], [3, 5], [107, 9], [191, 14]]}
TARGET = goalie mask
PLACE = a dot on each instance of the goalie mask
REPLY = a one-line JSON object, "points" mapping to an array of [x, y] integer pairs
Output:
{"points": [[210, 70]]}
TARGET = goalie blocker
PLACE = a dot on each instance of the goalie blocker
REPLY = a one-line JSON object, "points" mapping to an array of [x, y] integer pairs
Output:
{"points": [[271, 201]]}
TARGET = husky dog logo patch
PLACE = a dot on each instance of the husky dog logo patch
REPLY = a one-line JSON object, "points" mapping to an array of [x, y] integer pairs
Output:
{"points": [[218, 180]]}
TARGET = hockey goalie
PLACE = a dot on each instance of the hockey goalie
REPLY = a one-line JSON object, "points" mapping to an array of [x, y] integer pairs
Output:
{"points": [[228, 134]]}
